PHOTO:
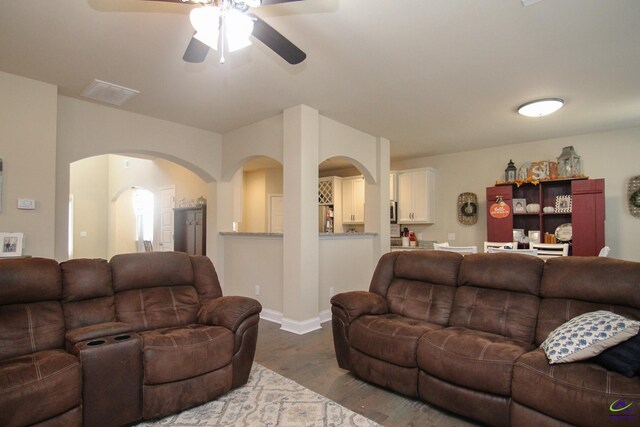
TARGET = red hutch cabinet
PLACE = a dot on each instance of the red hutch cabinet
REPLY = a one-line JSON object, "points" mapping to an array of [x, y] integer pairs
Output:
{"points": [[586, 216]]}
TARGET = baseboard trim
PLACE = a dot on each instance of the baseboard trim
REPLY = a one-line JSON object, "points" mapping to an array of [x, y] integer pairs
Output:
{"points": [[300, 327], [271, 315], [325, 316], [296, 326]]}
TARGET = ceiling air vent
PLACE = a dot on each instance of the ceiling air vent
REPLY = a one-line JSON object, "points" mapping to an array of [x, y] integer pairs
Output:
{"points": [[108, 92]]}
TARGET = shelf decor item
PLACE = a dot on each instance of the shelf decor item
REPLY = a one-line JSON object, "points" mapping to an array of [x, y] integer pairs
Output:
{"points": [[510, 172], [519, 205], [569, 164], [563, 204], [633, 196]]}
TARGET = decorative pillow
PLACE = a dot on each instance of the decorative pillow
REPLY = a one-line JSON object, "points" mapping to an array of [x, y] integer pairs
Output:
{"points": [[588, 335], [623, 358]]}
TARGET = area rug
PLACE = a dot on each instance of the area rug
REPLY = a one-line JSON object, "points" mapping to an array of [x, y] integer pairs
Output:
{"points": [[268, 399]]}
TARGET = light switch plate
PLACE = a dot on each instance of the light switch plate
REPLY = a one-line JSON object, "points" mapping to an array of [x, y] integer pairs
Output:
{"points": [[26, 204]]}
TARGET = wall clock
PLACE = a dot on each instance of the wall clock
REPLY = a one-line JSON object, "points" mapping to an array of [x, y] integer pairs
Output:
{"points": [[633, 196], [467, 208]]}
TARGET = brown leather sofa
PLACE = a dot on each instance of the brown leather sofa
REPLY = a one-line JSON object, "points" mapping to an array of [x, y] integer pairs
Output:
{"points": [[100, 343], [462, 333]]}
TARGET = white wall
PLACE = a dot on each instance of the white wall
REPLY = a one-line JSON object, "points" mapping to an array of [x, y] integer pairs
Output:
{"points": [[28, 150], [610, 155]]}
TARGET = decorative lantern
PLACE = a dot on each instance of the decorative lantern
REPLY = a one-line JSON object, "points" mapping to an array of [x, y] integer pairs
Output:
{"points": [[569, 163], [510, 172]]}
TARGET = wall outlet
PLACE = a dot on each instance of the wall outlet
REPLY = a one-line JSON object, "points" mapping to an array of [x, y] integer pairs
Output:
{"points": [[451, 236], [332, 292], [257, 290]]}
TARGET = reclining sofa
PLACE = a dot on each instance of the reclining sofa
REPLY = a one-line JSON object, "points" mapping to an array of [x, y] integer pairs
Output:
{"points": [[463, 333], [96, 343]]}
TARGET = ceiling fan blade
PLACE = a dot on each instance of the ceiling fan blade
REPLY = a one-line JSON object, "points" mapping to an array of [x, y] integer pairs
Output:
{"points": [[276, 41], [196, 52]]}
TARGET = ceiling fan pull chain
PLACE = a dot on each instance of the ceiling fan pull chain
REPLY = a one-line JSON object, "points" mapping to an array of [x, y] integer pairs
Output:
{"points": [[223, 32]]}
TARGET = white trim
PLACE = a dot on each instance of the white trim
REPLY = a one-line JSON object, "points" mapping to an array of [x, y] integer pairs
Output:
{"points": [[271, 315], [300, 327], [295, 326], [325, 316]]}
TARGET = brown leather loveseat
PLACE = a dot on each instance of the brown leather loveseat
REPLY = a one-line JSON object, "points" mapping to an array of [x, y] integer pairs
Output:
{"points": [[100, 343], [463, 333]]}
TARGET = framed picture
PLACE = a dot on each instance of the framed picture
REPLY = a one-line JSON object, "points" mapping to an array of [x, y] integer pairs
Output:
{"points": [[519, 205], [534, 236], [563, 204], [11, 244], [518, 234]]}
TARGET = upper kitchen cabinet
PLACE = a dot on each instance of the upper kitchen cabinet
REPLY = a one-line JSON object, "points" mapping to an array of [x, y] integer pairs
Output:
{"points": [[416, 196], [353, 200]]}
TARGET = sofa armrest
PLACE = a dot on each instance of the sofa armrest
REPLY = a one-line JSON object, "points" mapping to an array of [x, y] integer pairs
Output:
{"points": [[229, 311], [99, 330], [358, 303]]}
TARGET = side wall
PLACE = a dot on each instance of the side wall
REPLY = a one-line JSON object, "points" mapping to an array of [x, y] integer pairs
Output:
{"points": [[28, 112], [610, 155]]}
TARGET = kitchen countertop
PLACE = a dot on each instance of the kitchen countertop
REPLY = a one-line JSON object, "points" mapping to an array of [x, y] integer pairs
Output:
{"points": [[323, 236]]}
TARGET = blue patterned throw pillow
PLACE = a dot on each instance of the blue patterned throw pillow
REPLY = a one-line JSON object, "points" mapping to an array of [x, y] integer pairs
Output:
{"points": [[588, 335]]}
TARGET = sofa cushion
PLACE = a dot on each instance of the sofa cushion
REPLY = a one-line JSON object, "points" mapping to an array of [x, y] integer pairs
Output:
{"points": [[158, 307], [587, 335], [623, 358], [175, 354], [474, 359], [389, 337], [419, 300], [510, 314], [27, 328], [579, 393], [50, 378]]}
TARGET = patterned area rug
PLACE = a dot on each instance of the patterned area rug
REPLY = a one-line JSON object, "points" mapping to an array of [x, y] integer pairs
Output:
{"points": [[268, 399]]}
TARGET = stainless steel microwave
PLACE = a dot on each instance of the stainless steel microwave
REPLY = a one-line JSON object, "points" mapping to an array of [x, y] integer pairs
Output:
{"points": [[393, 218]]}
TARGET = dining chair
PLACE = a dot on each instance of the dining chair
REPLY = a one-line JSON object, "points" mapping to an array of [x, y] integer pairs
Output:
{"points": [[148, 246], [547, 250], [492, 250], [604, 251], [458, 249], [506, 245]]}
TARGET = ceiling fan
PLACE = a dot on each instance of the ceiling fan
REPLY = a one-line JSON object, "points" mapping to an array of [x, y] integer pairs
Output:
{"points": [[228, 24]]}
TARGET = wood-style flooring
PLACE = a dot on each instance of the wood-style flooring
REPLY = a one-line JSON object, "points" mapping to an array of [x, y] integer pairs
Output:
{"points": [[310, 361]]}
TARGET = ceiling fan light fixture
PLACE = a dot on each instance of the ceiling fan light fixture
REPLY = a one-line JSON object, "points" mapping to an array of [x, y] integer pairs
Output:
{"points": [[206, 21], [238, 27], [541, 107]]}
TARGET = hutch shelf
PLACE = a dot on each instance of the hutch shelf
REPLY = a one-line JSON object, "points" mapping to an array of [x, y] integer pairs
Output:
{"points": [[586, 215]]}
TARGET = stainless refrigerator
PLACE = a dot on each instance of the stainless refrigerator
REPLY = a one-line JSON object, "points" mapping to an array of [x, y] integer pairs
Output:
{"points": [[325, 219]]}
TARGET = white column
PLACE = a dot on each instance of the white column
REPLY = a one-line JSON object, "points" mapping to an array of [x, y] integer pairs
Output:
{"points": [[377, 201], [300, 240]]}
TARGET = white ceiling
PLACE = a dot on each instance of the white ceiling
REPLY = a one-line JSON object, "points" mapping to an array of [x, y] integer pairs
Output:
{"points": [[432, 76]]}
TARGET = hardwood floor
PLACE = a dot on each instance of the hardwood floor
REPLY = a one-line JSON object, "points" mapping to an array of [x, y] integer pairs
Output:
{"points": [[310, 361]]}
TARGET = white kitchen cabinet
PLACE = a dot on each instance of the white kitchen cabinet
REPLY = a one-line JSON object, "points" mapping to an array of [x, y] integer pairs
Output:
{"points": [[416, 196], [392, 186], [353, 200]]}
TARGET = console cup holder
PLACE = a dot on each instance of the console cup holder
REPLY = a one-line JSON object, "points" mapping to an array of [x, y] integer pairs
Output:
{"points": [[122, 337], [96, 342]]}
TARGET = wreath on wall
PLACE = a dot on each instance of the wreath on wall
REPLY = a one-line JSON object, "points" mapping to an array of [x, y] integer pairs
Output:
{"points": [[467, 208], [633, 196]]}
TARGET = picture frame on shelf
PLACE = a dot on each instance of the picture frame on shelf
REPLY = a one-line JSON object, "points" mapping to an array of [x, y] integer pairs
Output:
{"points": [[534, 236], [519, 205], [518, 234], [11, 244], [563, 204]]}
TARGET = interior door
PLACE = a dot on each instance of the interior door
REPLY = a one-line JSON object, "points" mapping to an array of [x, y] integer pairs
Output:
{"points": [[167, 203]]}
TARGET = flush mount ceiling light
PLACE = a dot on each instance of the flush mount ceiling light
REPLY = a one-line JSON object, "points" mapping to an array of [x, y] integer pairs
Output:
{"points": [[541, 107]]}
